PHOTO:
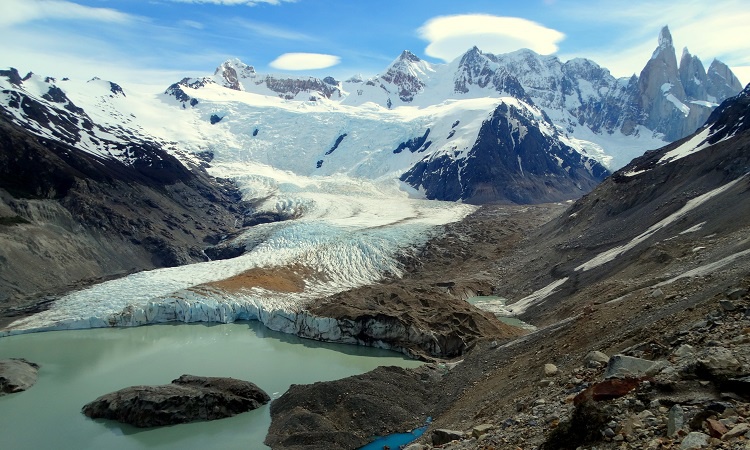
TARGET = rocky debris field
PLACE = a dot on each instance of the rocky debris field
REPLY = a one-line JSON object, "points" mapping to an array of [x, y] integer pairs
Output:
{"points": [[424, 313], [688, 389]]}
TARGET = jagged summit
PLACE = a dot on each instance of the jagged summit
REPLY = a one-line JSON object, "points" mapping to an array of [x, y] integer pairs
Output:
{"points": [[722, 83], [408, 76], [665, 40], [613, 119], [231, 72], [406, 55]]}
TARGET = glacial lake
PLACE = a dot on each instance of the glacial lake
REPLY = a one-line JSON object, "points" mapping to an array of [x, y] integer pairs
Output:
{"points": [[78, 366]]}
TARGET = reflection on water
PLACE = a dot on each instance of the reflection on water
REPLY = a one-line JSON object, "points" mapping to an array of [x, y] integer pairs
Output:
{"points": [[78, 366]]}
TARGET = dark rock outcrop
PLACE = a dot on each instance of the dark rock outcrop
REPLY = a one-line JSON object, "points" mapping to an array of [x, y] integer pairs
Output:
{"points": [[512, 161], [91, 206], [349, 413], [187, 399], [16, 375]]}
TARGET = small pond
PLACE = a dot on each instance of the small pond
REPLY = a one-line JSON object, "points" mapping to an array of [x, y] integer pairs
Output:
{"points": [[497, 306]]}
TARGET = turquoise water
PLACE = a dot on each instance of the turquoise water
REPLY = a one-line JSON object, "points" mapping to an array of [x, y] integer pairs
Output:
{"points": [[78, 366], [396, 440]]}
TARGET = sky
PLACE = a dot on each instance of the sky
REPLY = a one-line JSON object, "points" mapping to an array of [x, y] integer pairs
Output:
{"points": [[161, 41]]}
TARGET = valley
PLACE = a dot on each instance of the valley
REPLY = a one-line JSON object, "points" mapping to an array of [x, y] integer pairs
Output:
{"points": [[611, 214]]}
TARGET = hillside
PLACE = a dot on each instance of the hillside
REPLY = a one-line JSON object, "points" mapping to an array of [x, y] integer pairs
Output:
{"points": [[652, 264]]}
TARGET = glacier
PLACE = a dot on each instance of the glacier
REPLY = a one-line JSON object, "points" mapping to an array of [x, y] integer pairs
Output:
{"points": [[350, 235]]}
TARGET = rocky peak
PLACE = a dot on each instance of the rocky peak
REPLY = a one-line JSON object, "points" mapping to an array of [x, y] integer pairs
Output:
{"points": [[406, 55], [665, 43], [483, 70], [232, 71], [472, 58], [721, 81], [661, 93], [408, 74], [692, 75]]}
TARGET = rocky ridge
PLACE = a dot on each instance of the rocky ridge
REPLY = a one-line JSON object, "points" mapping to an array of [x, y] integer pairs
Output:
{"points": [[517, 158], [666, 98]]}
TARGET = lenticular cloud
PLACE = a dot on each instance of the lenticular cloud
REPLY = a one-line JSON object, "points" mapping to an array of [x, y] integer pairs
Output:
{"points": [[450, 36], [304, 61]]}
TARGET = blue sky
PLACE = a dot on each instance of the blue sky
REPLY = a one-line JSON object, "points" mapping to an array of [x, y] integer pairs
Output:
{"points": [[160, 41]]}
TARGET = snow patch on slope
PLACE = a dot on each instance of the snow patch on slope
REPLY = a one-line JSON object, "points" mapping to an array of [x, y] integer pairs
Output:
{"points": [[613, 253]]}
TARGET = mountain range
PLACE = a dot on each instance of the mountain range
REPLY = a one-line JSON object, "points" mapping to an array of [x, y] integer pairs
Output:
{"points": [[513, 128], [563, 126]]}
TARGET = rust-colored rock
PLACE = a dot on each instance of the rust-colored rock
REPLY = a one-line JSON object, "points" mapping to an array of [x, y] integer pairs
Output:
{"points": [[715, 428], [607, 390]]}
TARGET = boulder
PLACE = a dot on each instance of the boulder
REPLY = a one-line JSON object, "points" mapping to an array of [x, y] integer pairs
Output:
{"points": [[694, 440], [621, 366], [718, 362], [481, 430], [595, 359], [550, 370], [187, 399], [738, 430], [17, 375], [442, 436], [675, 420], [715, 428]]}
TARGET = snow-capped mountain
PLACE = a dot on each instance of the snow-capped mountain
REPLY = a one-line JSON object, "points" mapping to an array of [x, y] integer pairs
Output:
{"points": [[425, 124], [518, 157], [675, 213], [622, 117]]}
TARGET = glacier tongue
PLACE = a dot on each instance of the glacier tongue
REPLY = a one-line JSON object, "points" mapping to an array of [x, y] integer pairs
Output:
{"points": [[347, 237]]}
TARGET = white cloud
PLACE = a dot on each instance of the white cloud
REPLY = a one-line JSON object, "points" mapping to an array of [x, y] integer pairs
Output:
{"points": [[743, 74], [192, 24], [271, 31], [451, 36], [16, 12], [236, 2], [304, 61], [715, 29]]}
